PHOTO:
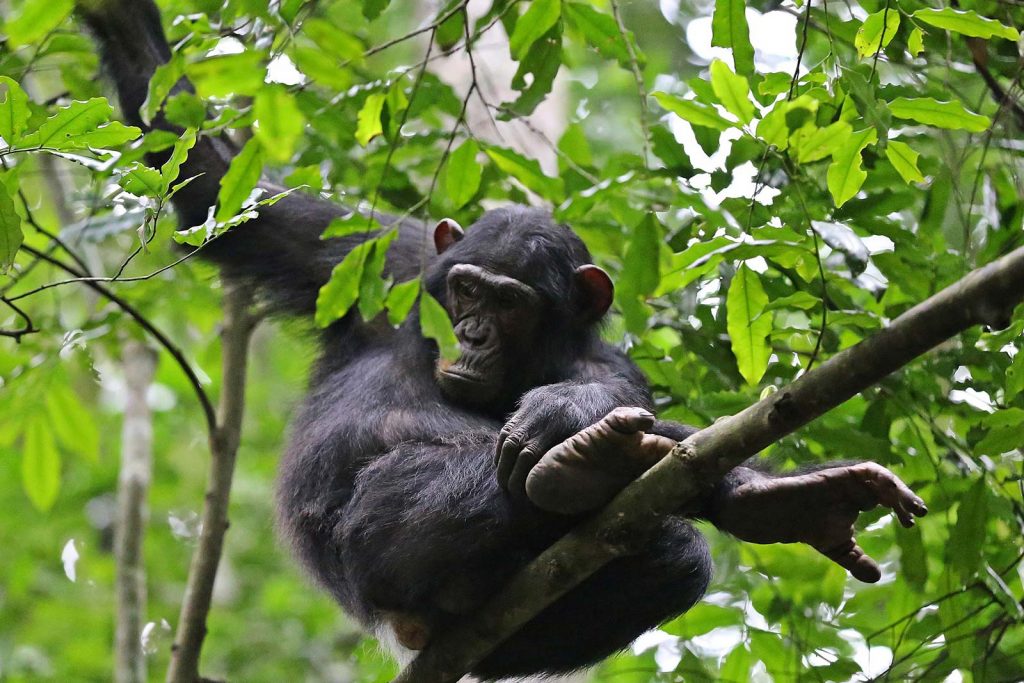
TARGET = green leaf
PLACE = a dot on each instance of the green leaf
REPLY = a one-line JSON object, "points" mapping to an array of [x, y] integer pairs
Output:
{"points": [[694, 112], [10, 230], [35, 20], [185, 109], [352, 224], [401, 299], [368, 124], [70, 421], [279, 122], [224, 75], [967, 538], [640, 266], [462, 175], [870, 36], [749, 324], [172, 167], [732, 90], [812, 144], [966, 22], [541, 63], [845, 174], [601, 32], [80, 125], [915, 42], [240, 179], [160, 85], [373, 8], [338, 294], [40, 464], [435, 324], [142, 181], [904, 159], [14, 112], [541, 16], [931, 112], [527, 171], [1015, 377], [729, 29], [373, 286]]}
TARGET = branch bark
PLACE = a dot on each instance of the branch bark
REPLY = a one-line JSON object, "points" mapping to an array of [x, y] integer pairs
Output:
{"points": [[985, 296], [132, 492], [236, 330]]}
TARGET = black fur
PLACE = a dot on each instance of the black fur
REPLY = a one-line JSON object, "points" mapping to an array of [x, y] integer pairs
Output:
{"points": [[387, 490]]}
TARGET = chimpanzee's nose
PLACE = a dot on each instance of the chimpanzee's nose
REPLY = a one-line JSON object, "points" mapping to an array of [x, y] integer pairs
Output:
{"points": [[474, 333]]}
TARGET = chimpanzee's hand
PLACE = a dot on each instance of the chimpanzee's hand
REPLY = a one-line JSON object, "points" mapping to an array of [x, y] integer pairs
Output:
{"points": [[547, 416], [818, 508]]}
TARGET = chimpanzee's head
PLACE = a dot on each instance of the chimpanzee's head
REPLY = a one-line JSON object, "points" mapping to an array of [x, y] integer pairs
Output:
{"points": [[524, 299]]}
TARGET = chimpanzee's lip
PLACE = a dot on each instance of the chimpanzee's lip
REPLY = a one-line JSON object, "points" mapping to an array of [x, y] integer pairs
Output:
{"points": [[461, 375]]}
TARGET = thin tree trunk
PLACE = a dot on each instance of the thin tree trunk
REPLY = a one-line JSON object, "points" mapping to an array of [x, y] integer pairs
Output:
{"points": [[236, 330], [133, 481]]}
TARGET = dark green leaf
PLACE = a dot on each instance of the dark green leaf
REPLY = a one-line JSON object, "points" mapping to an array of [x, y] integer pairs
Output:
{"points": [[462, 175], [539, 18], [729, 30], [14, 112], [435, 324], [10, 230], [240, 179], [40, 465]]}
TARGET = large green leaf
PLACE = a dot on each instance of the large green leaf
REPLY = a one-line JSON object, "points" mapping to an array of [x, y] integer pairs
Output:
{"points": [[240, 179], [600, 31], [172, 167], [729, 30], [871, 37], [732, 90], [81, 125], [463, 173], [340, 292], [14, 112], [527, 171], [224, 75], [749, 324], [968, 536], [931, 112], [368, 125], [846, 174], [693, 112], [35, 19], [279, 122], [904, 159], [966, 22], [538, 19]]}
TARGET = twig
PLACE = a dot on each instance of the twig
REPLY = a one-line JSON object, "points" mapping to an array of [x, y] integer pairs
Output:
{"points": [[27, 328], [133, 480], [144, 323], [985, 296], [236, 330]]}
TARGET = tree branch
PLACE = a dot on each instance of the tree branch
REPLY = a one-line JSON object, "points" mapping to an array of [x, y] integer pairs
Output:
{"points": [[985, 296], [236, 330], [132, 491]]}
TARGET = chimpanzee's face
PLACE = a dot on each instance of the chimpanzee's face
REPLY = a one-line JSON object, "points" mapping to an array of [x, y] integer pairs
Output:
{"points": [[496, 320]]}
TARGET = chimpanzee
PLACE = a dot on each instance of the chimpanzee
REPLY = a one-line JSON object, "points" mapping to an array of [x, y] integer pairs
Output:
{"points": [[412, 487]]}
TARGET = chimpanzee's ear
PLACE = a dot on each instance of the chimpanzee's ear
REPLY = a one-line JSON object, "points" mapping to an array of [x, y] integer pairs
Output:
{"points": [[597, 291], [447, 233]]}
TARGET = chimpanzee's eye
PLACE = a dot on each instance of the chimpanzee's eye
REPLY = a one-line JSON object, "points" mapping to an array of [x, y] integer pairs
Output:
{"points": [[507, 300], [462, 288]]}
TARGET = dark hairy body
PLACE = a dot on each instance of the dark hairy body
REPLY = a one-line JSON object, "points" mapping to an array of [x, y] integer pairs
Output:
{"points": [[412, 488]]}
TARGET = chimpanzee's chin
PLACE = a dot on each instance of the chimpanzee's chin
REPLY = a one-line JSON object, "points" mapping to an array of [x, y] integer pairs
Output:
{"points": [[465, 388]]}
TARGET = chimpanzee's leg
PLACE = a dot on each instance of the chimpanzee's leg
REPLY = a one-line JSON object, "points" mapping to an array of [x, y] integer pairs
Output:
{"points": [[611, 608]]}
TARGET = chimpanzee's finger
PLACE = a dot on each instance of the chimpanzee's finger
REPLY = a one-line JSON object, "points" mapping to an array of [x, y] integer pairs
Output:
{"points": [[529, 456], [852, 558], [891, 492], [503, 435], [507, 457]]}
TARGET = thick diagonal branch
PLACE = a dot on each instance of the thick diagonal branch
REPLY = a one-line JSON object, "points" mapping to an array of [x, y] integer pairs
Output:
{"points": [[986, 296]]}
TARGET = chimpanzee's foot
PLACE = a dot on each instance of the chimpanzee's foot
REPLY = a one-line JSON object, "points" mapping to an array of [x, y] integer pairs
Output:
{"points": [[818, 508], [411, 631], [586, 470]]}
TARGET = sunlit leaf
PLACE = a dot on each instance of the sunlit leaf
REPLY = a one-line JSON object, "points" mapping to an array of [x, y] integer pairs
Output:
{"points": [[966, 22], [526, 171], [904, 159], [401, 299], [340, 292], [600, 31], [749, 324], [729, 30], [535, 22], [931, 112], [14, 111], [172, 167], [694, 112], [279, 122], [34, 19], [240, 179], [871, 37], [732, 90], [846, 174], [80, 125], [368, 125]]}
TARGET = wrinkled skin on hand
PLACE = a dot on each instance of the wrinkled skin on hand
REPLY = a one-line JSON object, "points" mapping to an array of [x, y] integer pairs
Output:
{"points": [[819, 509]]}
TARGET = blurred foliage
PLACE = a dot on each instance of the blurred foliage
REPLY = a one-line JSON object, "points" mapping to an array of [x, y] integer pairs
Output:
{"points": [[886, 168]]}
